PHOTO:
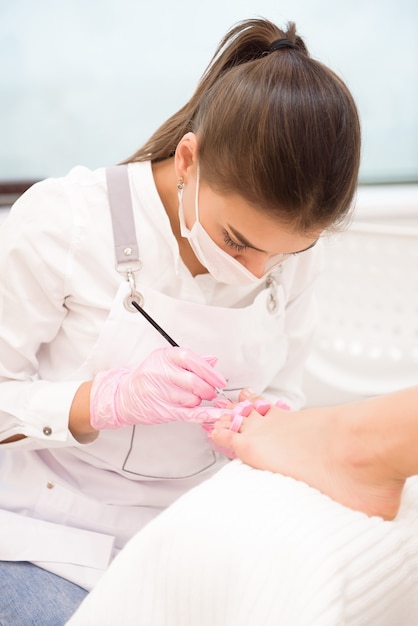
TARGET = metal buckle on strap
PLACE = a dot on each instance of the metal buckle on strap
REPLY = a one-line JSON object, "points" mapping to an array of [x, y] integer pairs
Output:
{"points": [[129, 268]]}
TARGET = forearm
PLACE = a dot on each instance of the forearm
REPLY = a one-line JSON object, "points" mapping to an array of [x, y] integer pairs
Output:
{"points": [[79, 418]]}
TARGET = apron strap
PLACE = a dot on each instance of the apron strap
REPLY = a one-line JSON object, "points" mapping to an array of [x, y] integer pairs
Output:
{"points": [[123, 223]]}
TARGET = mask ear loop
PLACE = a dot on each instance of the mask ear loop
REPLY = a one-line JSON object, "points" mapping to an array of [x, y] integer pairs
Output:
{"points": [[180, 187], [196, 199]]}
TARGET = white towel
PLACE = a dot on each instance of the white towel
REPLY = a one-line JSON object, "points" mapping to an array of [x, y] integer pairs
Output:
{"points": [[253, 548]]}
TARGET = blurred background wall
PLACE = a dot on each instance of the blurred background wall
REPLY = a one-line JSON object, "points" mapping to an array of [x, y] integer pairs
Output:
{"points": [[87, 81]]}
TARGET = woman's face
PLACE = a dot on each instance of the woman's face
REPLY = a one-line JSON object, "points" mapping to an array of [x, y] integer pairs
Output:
{"points": [[248, 235]]}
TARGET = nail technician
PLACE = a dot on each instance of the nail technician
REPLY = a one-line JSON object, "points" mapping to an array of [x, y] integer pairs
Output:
{"points": [[212, 228]]}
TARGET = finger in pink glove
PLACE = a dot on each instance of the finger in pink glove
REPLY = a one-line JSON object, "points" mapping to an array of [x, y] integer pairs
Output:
{"points": [[168, 386]]}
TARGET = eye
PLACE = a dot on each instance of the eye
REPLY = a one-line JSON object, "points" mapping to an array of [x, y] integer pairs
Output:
{"points": [[239, 247]]}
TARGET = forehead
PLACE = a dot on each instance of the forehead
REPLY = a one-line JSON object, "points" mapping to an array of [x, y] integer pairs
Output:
{"points": [[251, 224]]}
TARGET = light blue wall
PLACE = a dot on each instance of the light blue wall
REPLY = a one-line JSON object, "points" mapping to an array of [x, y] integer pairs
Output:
{"points": [[87, 81]]}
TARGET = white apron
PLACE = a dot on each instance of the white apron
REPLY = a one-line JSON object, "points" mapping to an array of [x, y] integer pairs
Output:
{"points": [[140, 470]]}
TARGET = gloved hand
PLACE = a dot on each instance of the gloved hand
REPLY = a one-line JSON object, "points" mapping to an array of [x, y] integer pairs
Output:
{"points": [[168, 386]]}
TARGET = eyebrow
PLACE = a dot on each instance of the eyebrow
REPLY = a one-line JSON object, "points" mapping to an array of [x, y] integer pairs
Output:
{"points": [[242, 240]]}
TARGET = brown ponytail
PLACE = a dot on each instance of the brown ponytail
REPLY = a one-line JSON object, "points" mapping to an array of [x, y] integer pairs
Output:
{"points": [[277, 127]]}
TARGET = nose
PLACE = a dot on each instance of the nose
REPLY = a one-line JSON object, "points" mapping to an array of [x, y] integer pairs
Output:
{"points": [[255, 265]]}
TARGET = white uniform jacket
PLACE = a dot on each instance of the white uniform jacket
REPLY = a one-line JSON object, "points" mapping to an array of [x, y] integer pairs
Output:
{"points": [[70, 505]]}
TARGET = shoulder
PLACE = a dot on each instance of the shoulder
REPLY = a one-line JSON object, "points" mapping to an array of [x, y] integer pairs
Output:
{"points": [[55, 195], [58, 217], [60, 205]]}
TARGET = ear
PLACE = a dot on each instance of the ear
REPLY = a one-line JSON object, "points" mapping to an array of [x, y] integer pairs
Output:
{"points": [[186, 156]]}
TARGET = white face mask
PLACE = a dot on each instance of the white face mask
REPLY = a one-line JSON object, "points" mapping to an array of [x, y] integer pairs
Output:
{"points": [[221, 265]]}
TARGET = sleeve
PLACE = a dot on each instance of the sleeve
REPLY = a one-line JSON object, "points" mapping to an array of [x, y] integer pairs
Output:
{"points": [[36, 249], [299, 327]]}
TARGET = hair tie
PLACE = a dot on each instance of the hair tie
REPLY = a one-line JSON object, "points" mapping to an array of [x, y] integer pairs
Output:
{"points": [[278, 44]]}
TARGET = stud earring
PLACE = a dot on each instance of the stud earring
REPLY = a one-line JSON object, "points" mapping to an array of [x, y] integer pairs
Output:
{"points": [[180, 184]]}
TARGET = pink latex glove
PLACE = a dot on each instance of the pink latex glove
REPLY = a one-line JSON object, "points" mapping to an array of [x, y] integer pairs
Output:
{"points": [[168, 386]]}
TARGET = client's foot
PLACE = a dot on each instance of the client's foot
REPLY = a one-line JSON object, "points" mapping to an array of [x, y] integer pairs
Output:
{"points": [[321, 448]]}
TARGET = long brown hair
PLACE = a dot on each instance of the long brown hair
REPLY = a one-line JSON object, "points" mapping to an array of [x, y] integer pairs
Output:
{"points": [[277, 127]]}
